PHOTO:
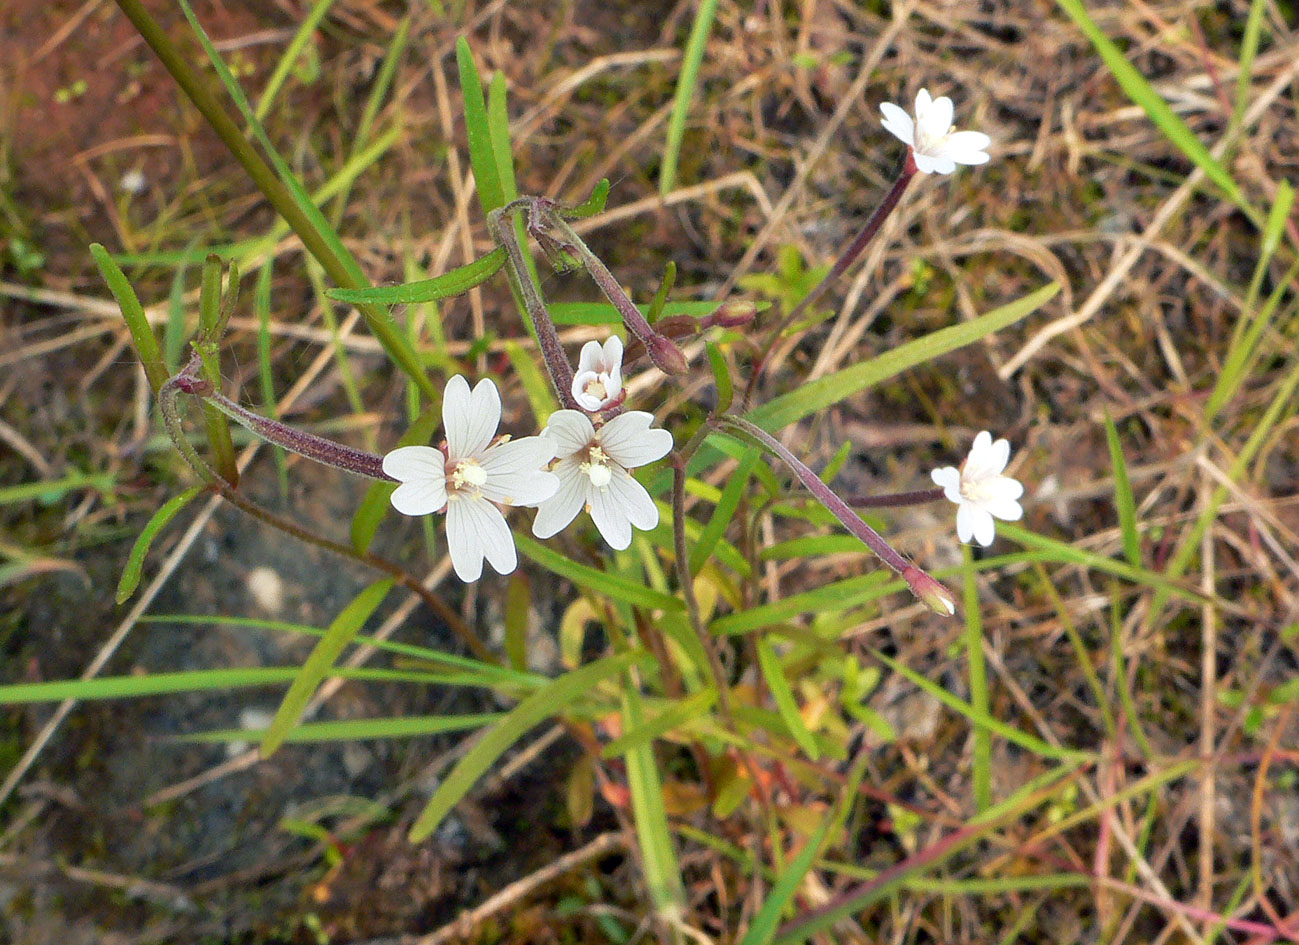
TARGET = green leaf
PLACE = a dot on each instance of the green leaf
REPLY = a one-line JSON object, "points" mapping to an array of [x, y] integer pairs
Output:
{"points": [[320, 661], [161, 518], [292, 53], [816, 395], [661, 296], [1139, 89], [53, 490], [675, 715], [594, 204], [607, 585], [518, 600], [763, 929], [603, 313], [721, 377], [783, 695], [350, 730], [373, 507], [146, 342], [829, 599], [724, 511], [685, 91], [541, 395], [452, 283], [1124, 500], [498, 125], [482, 156], [541, 705]]}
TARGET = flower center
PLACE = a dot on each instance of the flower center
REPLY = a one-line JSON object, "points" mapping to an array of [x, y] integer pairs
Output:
{"points": [[976, 490], [595, 387], [467, 477], [597, 468]]}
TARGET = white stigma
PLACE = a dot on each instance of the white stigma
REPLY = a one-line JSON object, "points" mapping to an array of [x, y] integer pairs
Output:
{"points": [[468, 473], [596, 468]]}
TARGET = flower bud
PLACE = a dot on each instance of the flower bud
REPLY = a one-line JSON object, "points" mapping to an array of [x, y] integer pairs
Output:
{"points": [[929, 591], [667, 357]]}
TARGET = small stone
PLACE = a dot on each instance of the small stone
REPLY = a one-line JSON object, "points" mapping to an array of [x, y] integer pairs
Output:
{"points": [[266, 589]]}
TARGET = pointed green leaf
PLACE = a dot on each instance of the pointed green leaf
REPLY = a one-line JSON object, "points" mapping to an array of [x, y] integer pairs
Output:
{"points": [[593, 204], [452, 283], [482, 156], [1124, 501], [146, 342], [161, 518], [783, 695]]}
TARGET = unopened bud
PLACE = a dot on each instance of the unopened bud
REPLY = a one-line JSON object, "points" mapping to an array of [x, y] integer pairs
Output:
{"points": [[730, 314], [667, 357], [930, 592]]}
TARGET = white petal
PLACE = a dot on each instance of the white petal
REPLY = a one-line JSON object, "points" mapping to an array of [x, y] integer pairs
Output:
{"points": [[630, 442], [526, 454], [476, 529], [523, 488], [589, 359], [898, 123], [949, 477], [470, 418], [584, 400], [571, 431], [408, 463], [554, 514], [634, 500], [613, 355], [965, 147], [935, 120], [974, 522], [923, 102], [420, 497], [1000, 489], [610, 518], [927, 164], [986, 458]]}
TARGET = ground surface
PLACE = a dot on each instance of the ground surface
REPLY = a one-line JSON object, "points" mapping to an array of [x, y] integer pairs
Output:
{"points": [[116, 832]]}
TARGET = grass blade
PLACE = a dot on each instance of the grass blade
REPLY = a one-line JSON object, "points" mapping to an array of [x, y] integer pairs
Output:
{"points": [[685, 91], [482, 156], [290, 58], [320, 661], [981, 754], [1139, 89], [763, 929], [724, 510], [537, 707], [783, 696], [351, 730], [1124, 500], [781, 411], [161, 518], [607, 585]]}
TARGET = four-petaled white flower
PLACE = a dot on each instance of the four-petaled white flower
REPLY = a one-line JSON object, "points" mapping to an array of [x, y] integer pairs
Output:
{"points": [[981, 491], [937, 147], [598, 382], [593, 472], [472, 477]]}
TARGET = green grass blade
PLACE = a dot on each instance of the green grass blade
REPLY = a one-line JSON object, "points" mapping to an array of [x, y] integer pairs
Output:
{"points": [[352, 730], [452, 283], [593, 204], [828, 599], [981, 753], [142, 334], [1124, 501], [1139, 89], [685, 92], [606, 585], [541, 395], [809, 398], [373, 507], [498, 127], [724, 511], [956, 704], [482, 156], [52, 490], [677, 715], [160, 520], [320, 661], [265, 369], [537, 707], [602, 313], [658, 856], [290, 58], [1245, 74], [721, 377], [783, 696], [763, 929]]}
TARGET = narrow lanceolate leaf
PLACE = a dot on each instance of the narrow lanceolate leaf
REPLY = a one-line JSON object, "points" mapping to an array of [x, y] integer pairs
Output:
{"points": [[678, 714], [161, 518], [593, 204], [351, 730], [593, 579], [724, 511], [146, 342], [481, 155], [1139, 89], [721, 378], [321, 660], [809, 398], [1124, 501], [449, 284], [783, 695], [541, 705], [763, 929], [689, 78]]}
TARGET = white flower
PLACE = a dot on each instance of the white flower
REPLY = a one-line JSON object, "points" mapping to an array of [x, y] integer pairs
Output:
{"points": [[937, 147], [981, 491], [593, 472], [472, 477], [598, 382]]}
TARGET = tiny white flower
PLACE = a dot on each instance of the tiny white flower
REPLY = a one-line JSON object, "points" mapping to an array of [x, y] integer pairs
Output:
{"points": [[938, 148], [593, 472], [133, 182], [472, 477], [981, 491], [598, 382]]}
